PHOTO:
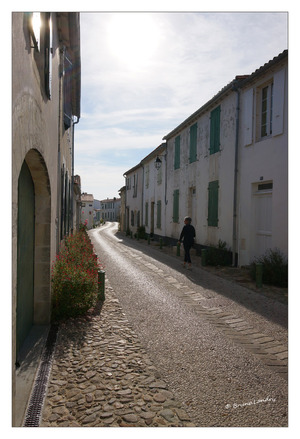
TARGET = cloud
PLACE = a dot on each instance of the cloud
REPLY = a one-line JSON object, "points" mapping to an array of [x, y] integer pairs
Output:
{"points": [[197, 54], [134, 93], [110, 140], [101, 180]]}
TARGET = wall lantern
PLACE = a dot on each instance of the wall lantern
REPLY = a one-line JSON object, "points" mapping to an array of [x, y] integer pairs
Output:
{"points": [[157, 163]]}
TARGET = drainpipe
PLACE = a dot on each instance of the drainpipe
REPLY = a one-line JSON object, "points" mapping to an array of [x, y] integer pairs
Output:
{"points": [[166, 182], [126, 225], [58, 206], [142, 209], [235, 188], [166, 176], [72, 177]]}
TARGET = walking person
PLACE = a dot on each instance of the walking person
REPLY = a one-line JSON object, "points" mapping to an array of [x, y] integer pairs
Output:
{"points": [[188, 236]]}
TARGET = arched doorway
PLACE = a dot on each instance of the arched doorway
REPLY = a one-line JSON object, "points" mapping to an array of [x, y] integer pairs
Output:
{"points": [[33, 305], [25, 256]]}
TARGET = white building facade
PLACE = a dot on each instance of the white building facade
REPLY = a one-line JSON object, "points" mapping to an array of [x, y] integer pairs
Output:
{"points": [[134, 198], [110, 209], [87, 210], [225, 166], [154, 191], [200, 171]]}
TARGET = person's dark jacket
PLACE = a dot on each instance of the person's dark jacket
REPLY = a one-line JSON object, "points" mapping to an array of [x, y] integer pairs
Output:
{"points": [[188, 234]]}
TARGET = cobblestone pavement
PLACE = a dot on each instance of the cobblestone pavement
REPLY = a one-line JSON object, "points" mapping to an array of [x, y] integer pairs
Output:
{"points": [[220, 347], [102, 377], [169, 348]]}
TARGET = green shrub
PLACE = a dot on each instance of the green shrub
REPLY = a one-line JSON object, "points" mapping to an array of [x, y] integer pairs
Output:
{"points": [[275, 268], [74, 278], [219, 255]]}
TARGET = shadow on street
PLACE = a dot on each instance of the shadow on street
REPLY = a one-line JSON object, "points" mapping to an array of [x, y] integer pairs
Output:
{"points": [[268, 308]]}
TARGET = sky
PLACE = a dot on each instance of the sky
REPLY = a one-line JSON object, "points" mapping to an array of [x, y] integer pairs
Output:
{"points": [[144, 73]]}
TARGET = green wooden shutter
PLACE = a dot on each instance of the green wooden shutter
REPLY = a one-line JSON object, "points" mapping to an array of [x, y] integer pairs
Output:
{"points": [[215, 130], [62, 202], [147, 176], [193, 143], [213, 196], [66, 205], [146, 213], [177, 153], [158, 213], [176, 206], [138, 219], [67, 87]]}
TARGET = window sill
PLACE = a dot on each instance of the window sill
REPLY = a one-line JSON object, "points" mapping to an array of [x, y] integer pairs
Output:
{"points": [[262, 139]]}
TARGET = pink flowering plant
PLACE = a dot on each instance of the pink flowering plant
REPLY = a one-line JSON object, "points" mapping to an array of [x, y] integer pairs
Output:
{"points": [[74, 278], [83, 226]]}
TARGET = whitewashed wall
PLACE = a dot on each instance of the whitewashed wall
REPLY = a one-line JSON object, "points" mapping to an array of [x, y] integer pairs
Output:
{"points": [[134, 197], [263, 214], [154, 192], [87, 213], [192, 179]]}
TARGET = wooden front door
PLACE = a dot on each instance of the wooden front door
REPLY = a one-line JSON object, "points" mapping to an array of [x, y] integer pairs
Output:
{"points": [[152, 218], [25, 258], [263, 219]]}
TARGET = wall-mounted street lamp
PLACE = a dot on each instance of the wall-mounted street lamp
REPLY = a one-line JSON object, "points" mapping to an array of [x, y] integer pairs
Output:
{"points": [[157, 163]]}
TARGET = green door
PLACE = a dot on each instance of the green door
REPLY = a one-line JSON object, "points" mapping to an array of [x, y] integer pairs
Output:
{"points": [[25, 259]]}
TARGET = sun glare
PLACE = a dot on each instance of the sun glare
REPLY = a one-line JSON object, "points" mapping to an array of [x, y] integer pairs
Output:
{"points": [[36, 28], [133, 38]]}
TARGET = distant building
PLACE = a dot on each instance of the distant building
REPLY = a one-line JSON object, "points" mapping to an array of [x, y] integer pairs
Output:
{"points": [[97, 212], [134, 198], [110, 209], [87, 210]]}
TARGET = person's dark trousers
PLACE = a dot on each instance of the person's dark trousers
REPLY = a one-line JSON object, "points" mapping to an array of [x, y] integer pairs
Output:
{"points": [[187, 257]]}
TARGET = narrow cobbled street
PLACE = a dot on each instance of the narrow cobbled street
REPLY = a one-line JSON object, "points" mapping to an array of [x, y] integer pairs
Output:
{"points": [[169, 347]]}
